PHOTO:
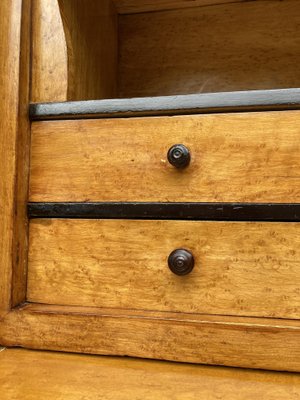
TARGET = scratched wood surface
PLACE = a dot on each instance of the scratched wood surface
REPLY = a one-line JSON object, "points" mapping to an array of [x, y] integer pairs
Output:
{"points": [[58, 376], [249, 157], [246, 269]]}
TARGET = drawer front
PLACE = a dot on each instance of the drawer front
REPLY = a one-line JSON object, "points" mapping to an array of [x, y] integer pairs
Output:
{"points": [[249, 157], [241, 268]]}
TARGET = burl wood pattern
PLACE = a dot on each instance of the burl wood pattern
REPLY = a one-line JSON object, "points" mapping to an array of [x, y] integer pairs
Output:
{"points": [[221, 340], [246, 269], [250, 157]]}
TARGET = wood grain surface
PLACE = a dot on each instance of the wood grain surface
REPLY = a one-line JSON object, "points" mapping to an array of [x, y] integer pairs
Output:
{"points": [[233, 341], [22, 143], [246, 269], [14, 132], [236, 46], [74, 50], [58, 376], [49, 68], [249, 157]]}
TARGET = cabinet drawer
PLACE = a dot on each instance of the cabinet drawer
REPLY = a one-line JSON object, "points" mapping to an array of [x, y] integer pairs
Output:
{"points": [[241, 268], [250, 157]]}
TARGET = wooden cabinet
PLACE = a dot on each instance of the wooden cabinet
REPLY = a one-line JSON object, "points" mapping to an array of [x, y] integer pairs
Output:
{"points": [[108, 202]]}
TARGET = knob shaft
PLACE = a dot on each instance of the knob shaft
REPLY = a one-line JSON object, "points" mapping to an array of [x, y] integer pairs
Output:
{"points": [[181, 262], [179, 156]]}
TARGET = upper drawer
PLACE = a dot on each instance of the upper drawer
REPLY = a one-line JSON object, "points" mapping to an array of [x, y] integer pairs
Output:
{"points": [[249, 157]]}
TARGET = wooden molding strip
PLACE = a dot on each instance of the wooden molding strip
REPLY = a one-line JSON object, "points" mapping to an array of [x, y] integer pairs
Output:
{"points": [[253, 100], [178, 211], [236, 341]]}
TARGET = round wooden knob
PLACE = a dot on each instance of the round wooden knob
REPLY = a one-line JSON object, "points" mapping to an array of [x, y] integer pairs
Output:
{"points": [[179, 156], [181, 262]]}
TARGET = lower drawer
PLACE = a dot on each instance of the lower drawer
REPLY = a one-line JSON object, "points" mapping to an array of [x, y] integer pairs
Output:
{"points": [[241, 268]]}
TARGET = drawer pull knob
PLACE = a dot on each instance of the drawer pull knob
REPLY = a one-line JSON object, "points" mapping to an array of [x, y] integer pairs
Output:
{"points": [[179, 156], [181, 262]]}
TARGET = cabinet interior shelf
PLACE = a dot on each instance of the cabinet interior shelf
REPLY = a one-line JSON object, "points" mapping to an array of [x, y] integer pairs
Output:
{"points": [[127, 49]]}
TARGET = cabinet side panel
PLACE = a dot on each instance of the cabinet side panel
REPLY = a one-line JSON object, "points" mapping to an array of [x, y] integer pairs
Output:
{"points": [[20, 238], [49, 53], [14, 144]]}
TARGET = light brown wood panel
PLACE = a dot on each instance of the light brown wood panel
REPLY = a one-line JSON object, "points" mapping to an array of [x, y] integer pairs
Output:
{"points": [[92, 42], [49, 53], [250, 157], [74, 50], [22, 138], [14, 133], [241, 268], [236, 46], [73, 377], [243, 342], [138, 6]]}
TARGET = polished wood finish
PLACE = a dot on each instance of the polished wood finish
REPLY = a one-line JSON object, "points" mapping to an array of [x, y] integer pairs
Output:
{"points": [[14, 148], [73, 377], [138, 6], [179, 156], [246, 269], [49, 81], [245, 342], [235, 46], [181, 262], [234, 158]]}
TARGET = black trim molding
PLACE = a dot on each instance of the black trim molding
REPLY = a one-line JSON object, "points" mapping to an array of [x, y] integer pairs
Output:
{"points": [[176, 211], [253, 100]]}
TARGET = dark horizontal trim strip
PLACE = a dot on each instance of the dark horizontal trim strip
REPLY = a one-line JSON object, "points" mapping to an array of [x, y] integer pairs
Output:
{"points": [[178, 211], [253, 100]]}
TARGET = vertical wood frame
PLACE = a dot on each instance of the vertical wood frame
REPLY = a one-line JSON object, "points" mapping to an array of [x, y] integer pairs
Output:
{"points": [[14, 149]]}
